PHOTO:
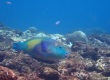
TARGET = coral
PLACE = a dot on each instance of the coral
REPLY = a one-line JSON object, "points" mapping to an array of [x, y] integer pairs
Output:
{"points": [[97, 76], [102, 37], [41, 35], [19, 62], [7, 74], [77, 36], [33, 29], [73, 68], [68, 78], [58, 37], [77, 46], [30, 76], [89, 61], [19, 32], [49, 74]]}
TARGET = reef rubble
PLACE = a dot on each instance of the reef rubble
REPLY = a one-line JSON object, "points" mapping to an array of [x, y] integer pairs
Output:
{"points": [[86, 61]]}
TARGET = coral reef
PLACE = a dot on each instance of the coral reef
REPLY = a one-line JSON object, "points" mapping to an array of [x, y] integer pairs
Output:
{"points": [[89, 61], [7, 74], [33, 29], [77, 36]]}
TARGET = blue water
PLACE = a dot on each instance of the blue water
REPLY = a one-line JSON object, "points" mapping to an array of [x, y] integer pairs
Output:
{"points": [[43, 14]]}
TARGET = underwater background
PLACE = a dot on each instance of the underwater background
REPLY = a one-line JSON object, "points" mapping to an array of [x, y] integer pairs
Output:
{"points": [[56, 16], [54, 40]]}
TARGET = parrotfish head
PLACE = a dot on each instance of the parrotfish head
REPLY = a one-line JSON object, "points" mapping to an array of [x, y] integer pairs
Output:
{"points": [[59, 51], [54, 49], [19, 46]]}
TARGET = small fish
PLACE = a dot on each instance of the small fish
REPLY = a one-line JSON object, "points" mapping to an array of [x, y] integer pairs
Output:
{"points": [[8, 3], [57, 22], [43, 48]]}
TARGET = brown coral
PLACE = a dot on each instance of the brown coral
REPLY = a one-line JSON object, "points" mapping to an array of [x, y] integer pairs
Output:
{"points": [[49, 74], [7, 74]]}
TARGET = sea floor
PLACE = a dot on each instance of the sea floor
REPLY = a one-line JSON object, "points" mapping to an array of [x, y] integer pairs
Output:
{"points": [[86, 61]]}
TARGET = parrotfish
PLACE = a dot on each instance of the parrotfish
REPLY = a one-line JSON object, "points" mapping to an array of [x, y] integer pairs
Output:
{"points": [[43, 48]]}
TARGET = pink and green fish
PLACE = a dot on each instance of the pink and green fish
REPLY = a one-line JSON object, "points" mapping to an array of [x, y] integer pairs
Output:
{"points": [[43, 48]]}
